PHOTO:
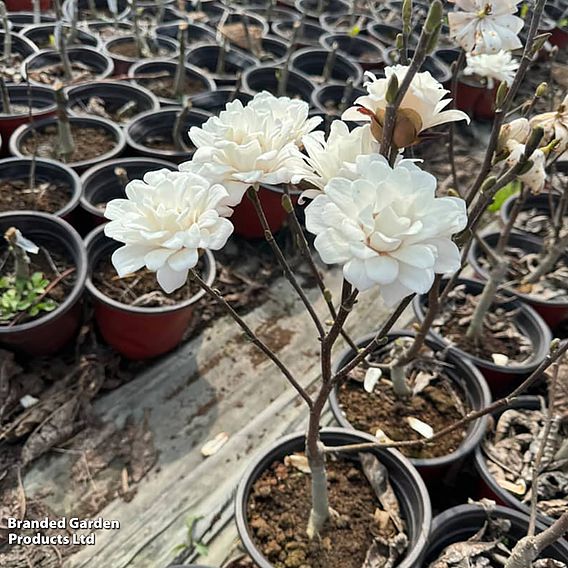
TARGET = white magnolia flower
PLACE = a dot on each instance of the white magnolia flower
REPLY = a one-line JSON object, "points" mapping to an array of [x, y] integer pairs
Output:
{"points": [[335, 156], [164, 222], [387, 228], [555, 126], [513, 132], [486, 26], [252, 144], [497, 67], [422, 104], [535, 178]]}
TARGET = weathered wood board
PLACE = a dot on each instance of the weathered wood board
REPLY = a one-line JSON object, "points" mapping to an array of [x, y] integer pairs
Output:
{"points": [[216, 383]]}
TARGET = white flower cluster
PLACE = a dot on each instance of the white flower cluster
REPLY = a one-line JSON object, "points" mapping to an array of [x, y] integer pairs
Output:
{"points": [[495, 68]]}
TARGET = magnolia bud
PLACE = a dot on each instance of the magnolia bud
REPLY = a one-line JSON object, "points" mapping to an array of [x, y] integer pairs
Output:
{"points": [[287, 204], [407, 16], [534, 140], [502, 93], [392, 89], [488, 184], [542, 89], [399, 43], [434, 18]]}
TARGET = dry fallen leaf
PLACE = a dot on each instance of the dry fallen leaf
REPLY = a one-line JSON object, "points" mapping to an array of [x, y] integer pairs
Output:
{"points": [[382, 437], [213, 446], [298, 461], [422, 380], [519, 488], [499, 359], [425, 430], [372, 377]]}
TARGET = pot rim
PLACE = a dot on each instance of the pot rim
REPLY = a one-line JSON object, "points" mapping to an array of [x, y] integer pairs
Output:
{"points": [[352, 64], [23, 41], [35, 112], [529, 312], [474, 433], [79, 259], [42, 25], [207, 79], [370, 41], [87, 174], [515, 236], [76, 185], [210, 273], [275, 66], [170, 42], [90, 52], [108, 125], [242, 492]]}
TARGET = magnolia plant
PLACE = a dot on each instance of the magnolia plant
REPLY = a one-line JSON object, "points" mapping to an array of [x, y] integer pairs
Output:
{"points": [[372, 211]]}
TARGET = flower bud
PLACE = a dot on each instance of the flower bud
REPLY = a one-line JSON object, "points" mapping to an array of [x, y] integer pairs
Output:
{"points": [[434, 18], [542, 89], [392, 89]]}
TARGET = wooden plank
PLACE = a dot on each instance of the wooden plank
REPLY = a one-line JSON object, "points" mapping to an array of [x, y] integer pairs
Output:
{"points": [[216, 383]]}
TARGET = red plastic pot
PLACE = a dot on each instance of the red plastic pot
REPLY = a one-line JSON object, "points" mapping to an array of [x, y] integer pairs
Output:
{"points": [[43, 104], [47, 334], [553, 313], [475, 100], [137, 332], [502, 379], [27, 5], [246, 220]]}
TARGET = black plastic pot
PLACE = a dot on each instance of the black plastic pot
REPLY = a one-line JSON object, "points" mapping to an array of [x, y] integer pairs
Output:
{"points": [[309, 35], [310, 8], [311, 62], [49, 333], [327, 98], [21, 46], [216, 101], [20, 20], [195, 34], [108, 30], [276, 14], [101, 7], [541, 203], [344, 21], [41, 34], [138, 332], [460, 523], [169, 67], [405, 480], [273, 50], [252, 20], [100, 183], [366, 52], [101, 65], [161, 124], [554, 313], [265, 78], [115, 95], [502, 379], [212, 9], [45, 171], [42, 101], [168, 49], [462, 373], [386, 34], [86, 121], [206, 56], [488, 486], [150, 11]]}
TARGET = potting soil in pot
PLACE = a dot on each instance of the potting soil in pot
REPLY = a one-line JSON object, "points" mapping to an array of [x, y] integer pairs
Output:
{"points": [[132, 50], [19, 195], [90, 142], [501, 340], [488, 548], [140, 289], [52, 266], [164, 87], [279, 509], [96, 106], [511, 448], [435, 404], [11, 69]]}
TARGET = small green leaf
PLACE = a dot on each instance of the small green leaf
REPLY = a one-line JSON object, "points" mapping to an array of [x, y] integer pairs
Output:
{"points": [[201, 549], [503, 194]]}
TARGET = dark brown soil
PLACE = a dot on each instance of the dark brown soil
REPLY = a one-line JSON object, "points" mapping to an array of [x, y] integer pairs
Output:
{"points": [[279, 509], [165, 144], [89, 143], [237, 35], [130, 50], [382, 410], [16, 195], [141, 288], [51, 262], [51, 74], [164, 88], [96, 106]]}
